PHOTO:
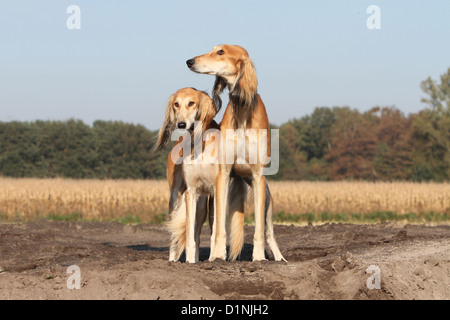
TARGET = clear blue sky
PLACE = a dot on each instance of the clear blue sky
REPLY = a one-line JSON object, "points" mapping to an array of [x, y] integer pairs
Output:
{"points": [[129, 56]]}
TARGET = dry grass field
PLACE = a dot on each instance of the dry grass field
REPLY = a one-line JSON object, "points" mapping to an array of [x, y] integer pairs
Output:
{"points": [[131, 201], [363, 201], [28, 199]]}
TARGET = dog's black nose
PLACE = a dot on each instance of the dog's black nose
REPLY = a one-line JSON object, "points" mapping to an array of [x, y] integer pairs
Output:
{"points": [[190, 62], [181, 125]]}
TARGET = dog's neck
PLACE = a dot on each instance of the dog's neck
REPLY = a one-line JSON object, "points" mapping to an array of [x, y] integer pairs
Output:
{"points": [[242, 106], [196, 133], [231, 82]]}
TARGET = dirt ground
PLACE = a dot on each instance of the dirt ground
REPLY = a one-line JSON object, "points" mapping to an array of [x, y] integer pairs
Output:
{"points": [[131, 262]]}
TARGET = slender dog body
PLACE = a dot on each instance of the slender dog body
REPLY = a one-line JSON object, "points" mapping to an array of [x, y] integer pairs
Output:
{"points": [[192, 182], [233, 69]]}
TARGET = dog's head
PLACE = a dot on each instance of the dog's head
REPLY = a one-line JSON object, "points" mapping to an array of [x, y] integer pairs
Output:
{"points": [[224, 61], [185, 107], [232, 67]]}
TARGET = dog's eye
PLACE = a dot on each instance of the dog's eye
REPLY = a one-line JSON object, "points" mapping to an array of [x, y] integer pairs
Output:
{"points": [[191, 104], [176, 104], [220, 52]]}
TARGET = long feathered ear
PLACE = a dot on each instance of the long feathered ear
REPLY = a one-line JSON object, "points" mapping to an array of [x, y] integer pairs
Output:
{"points": [[207, 109], [243, 94], [218, 88], [206, 112], [168, 126]]}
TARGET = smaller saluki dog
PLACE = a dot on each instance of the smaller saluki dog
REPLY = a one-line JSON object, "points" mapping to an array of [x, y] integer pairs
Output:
{"points": [[192, 176], [192, 180], [234, 70]]}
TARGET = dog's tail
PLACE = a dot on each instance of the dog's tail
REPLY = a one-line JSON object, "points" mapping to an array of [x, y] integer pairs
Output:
{"points": [[177, 229], [236, 218]]}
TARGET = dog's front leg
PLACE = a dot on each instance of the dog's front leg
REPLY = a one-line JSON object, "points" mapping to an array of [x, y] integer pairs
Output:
{"points": [[191, 206], [219, 235], [259, 193]]}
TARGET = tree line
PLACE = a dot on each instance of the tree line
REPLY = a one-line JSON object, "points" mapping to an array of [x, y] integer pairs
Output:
{"points": [[380, 144], [329, 144], [72, 149]]}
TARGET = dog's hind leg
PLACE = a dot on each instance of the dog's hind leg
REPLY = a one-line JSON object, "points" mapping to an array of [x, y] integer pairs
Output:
{"points": [[191, 208], [211, 213], [202, 211]]}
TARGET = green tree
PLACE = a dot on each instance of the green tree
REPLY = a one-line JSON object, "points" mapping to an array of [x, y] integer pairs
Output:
{"points": [[124, 150], [69, 149], [292, 162], [314, 132], [431, 154], [438, 94], [20, 154]]}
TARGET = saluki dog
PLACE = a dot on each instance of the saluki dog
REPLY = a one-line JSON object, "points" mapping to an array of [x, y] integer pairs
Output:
{"points": [[233, 68], [192, 180]]}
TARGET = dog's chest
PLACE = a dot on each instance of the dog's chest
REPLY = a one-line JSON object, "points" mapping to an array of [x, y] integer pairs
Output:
{"points": [[201, 177]]}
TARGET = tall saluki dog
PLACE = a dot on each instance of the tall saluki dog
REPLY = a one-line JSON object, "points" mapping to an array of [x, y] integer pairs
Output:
{"points": [[233, 68], [192, 180]]}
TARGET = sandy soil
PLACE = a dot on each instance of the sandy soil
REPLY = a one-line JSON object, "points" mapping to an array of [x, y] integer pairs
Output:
{"points": [[130, 262]]}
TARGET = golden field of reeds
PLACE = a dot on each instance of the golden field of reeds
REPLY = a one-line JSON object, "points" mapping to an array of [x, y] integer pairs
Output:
{"points": [[27, 199], [363, 197], [135, 201]]}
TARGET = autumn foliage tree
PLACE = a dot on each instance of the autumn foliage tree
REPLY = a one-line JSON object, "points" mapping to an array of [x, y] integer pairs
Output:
{"points": [[394, 135]]}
